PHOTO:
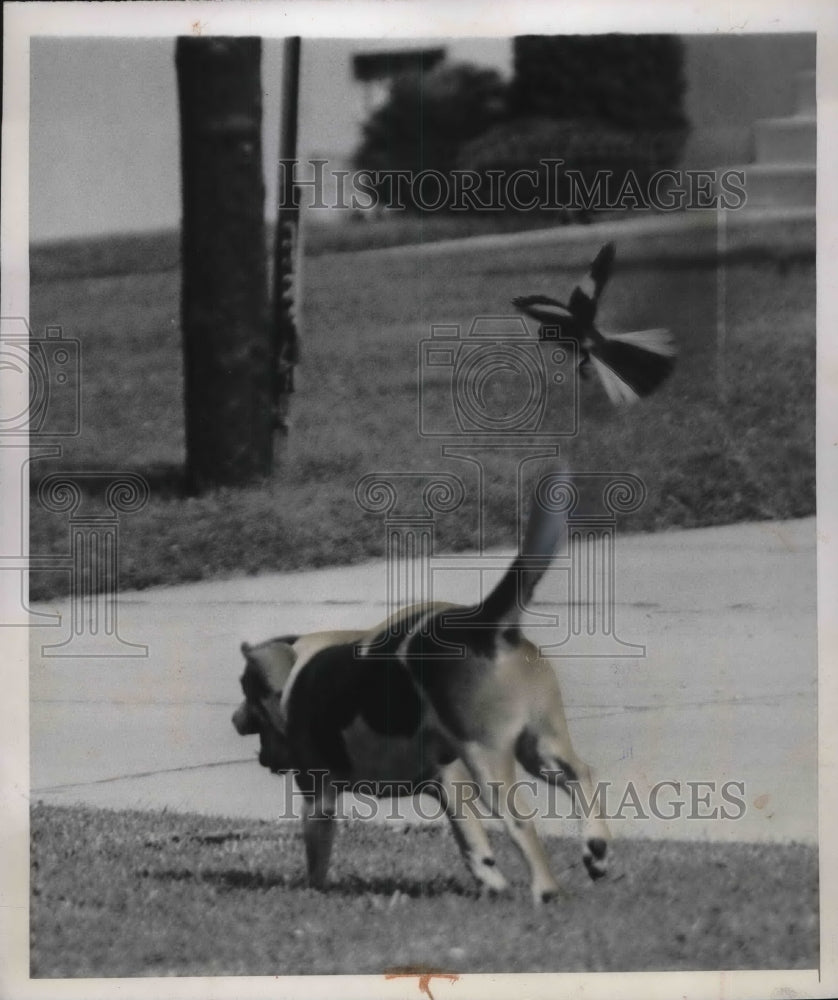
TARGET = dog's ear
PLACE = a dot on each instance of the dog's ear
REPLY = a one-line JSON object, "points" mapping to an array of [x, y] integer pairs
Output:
{"points": [[266, 673], [272, 662]]}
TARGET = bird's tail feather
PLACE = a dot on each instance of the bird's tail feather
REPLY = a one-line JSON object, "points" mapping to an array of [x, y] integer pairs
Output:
{"points": [[656, 341], [631, 365]]}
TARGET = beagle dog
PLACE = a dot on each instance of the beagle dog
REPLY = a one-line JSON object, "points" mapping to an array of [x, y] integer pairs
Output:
{"points": [[439, 698]]}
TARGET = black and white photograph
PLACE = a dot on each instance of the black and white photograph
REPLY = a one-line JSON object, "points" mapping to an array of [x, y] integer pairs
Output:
{"points": [[415, 436]]}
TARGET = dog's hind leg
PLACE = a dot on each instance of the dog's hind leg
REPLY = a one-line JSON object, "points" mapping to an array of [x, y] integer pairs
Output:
{"points": [[552, 758], [455, 788], [318, 834], [495, 770]]}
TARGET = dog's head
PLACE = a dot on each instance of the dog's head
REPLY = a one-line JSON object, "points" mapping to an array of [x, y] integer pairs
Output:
{"points": [[266, 671]]}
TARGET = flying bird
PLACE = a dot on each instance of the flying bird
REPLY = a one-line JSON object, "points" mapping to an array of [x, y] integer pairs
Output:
{"points": [[629, 365]]}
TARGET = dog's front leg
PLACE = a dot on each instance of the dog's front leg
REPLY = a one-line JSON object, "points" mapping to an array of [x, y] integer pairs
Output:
{"points": [[495, 770], [319, 834]]}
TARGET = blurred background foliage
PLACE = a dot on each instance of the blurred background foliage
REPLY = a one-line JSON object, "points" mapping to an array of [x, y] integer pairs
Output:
{"points": [[602, 102], [429, 115]]}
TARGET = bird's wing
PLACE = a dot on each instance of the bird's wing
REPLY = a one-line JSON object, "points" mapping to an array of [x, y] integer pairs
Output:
{"points": [[526, 301], [585, 296], [542, 308], [600, 270]]}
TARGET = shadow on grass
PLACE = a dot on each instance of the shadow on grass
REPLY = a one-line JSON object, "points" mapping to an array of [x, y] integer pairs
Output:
{"points": [[346, 885], [165, 481], [233, 900]]}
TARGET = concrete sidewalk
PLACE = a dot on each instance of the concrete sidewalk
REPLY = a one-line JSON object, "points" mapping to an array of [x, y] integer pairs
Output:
{"points": [[726, 690]]}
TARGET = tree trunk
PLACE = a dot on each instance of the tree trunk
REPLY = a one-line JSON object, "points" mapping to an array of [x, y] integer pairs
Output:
{"points": [[286, 283], [224, 308]]}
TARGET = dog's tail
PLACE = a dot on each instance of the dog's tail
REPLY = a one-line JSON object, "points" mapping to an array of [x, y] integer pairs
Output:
{"points": [[546, 534]]}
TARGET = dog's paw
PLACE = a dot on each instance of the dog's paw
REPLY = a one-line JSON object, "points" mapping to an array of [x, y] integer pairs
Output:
{"points": [[545, 889], [594, 858], [596, 869], [490, 877], [541, 895]]}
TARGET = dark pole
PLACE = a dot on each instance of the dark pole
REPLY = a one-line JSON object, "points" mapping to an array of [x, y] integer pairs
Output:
{"points": [[224, 308], [285, 339]]}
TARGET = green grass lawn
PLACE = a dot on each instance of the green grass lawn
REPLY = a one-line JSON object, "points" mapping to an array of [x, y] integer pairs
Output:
{"points": [[143, 894], [158, 250], [710, 451]]}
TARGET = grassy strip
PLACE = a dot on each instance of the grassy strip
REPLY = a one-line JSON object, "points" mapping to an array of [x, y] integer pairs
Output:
{"points": [[140, 894], [159, 250], [730, 437]]}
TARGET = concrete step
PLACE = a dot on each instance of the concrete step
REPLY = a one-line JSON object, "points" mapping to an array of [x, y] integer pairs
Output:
{"points": [[805, 99], [786, 140], [779, 184]]}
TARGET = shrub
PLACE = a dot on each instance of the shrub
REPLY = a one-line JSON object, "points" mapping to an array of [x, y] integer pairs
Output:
{"points": [[598, 103], [634, 82], [428, 116], [585, 146]]}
